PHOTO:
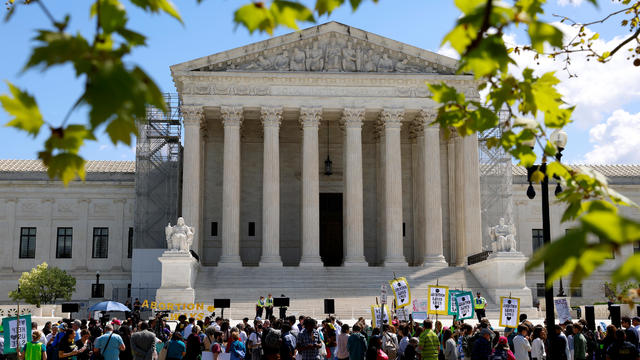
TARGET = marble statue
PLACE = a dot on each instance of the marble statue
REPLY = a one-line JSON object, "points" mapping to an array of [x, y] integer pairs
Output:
{"points": [[370, 61], [281, 61], [298, 60], [404, 66], [315, 58], [333, 57], [385, 64], [503, 237], [179, 237], [349, 58]]}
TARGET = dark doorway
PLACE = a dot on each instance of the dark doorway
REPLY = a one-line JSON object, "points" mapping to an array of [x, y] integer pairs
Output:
{"points": [[331, 229]]}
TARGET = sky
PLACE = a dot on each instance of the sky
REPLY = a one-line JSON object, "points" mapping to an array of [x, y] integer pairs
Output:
{"points": [[606, 127]]}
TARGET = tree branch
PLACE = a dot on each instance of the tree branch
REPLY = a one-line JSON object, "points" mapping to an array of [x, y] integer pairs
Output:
{"points": [[486, 24], [47, 13], [634, 36]]}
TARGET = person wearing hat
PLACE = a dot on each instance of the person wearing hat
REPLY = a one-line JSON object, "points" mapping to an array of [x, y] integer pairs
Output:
{"points": [[482, 345], [479, 304], [34, 350], [502, 349]]}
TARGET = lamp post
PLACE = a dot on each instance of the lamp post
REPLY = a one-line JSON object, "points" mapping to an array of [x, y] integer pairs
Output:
{"points": [[559, 139]]}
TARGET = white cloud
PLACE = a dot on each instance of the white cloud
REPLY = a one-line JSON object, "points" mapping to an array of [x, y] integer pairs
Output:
{"points": [[617, 140], [103, 147], [599, 89], [570, 2]]}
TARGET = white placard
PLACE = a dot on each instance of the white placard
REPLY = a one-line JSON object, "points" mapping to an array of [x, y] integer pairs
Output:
{"points": [[402, 292], [509, 311], [13, 332], [563, 309], [403, 314], [438, 300], [464, 301]]}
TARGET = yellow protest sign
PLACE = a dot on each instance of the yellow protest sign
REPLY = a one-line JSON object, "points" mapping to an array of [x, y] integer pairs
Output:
{"points": [[509, 311], [438, 300], [401, 291], [380, 313]]}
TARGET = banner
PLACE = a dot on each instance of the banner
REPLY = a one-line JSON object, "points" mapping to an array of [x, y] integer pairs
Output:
{"points": [[464, 302], [453, 307], [10, 325], [509, 311], [378, 312], [419, 316], [383, 294], [195, 310], [401, 291], [420, 305], [403, 314], [563, 309], [438, 303]]}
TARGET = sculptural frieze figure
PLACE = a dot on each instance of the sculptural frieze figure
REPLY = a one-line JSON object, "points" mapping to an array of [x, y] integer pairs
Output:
{"points": [[315, 58], [404, 66], [385, 64], [503, 237], [298, 60], [333, 57], [349, 58], [179, 237], [370, 62], [281, 61]]}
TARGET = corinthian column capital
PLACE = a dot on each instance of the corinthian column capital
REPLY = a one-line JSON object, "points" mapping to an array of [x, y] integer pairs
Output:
{"points": [[392, 118], [231, 115], [310, 116], [271, 116], [192, 115], [352, 117]]}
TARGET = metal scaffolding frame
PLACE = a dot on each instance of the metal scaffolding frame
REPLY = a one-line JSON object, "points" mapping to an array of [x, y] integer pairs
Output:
{"points": [[158, 173], [496, 184]]}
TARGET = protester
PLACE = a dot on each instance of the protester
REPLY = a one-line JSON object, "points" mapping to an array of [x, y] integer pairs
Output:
{"points": [[309, 342], [521, 345], [193, 343], [537, 345], [288, 347], [579, 343], [66, 346], [34, 350], [482, 345], [84, 346], [429, 345], [357, 344], [342, 352], [176, 349], [622, 349], [502, 350], [450, 351], [558, 345], [629, 331]]}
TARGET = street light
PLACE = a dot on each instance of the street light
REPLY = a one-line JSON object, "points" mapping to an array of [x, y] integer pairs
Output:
{"points": [[559, 139]]}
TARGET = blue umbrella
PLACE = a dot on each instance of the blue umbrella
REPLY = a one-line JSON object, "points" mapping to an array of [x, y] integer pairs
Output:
{"points": [[109, 306]]}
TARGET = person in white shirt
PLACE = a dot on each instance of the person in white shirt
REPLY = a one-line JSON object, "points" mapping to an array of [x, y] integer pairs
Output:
{"points": [[187, 330], [521, 346], [537, 345]]}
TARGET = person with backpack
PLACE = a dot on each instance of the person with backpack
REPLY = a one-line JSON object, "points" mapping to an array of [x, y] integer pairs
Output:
{"points": [[389, 342], [502, 351], [34, 350], [357, 344]]}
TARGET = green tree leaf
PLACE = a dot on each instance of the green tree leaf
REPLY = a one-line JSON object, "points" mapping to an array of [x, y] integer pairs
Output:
{"points": [[24, 110], [541, 32], [327, 6], [254, 17], [156, 6], [288, 13]]}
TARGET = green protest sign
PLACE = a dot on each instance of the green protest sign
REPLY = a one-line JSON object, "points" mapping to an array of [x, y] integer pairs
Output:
{"points": [[464, 303], [453, 308], [10, 326]]}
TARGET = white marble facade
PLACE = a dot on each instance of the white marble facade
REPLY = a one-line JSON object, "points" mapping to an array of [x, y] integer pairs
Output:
{"points": [[260, 120]]}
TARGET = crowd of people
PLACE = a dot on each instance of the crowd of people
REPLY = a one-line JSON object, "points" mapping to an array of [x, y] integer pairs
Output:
{"points": [[303, 338]]}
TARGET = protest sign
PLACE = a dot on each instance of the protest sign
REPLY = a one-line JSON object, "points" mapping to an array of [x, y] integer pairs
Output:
{"points": [[10, 325], [563, 309], [403, 314], [464, 302], [420, 305], [509, 311], [379, 312], [401, 291], [438, 302], [453, 307], [419, 316]]}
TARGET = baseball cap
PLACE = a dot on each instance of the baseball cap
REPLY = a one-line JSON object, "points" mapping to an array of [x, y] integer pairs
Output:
{"points": [[503, 340]]}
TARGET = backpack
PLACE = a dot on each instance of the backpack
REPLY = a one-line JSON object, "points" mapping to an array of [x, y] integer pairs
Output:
{"points": [[273, 340], [390, 347], [498, 354]]}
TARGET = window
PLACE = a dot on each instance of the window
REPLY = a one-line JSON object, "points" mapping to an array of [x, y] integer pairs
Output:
{"points": [[214, 228], [100, 242], [130, 243], [537, 239], [575, 291], [540, 289], [27, 243], [63, 242], [252, 228]]}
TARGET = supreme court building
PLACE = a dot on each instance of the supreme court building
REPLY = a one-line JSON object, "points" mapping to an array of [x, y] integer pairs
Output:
{"points": [[315, 148]]}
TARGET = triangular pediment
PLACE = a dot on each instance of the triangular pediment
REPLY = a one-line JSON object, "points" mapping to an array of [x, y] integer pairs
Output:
{"points": [[330, 47]]}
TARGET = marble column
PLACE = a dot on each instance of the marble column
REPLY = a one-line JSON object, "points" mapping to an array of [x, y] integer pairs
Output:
{"points": [[232, 117], [472, 204], [461, 249], [309, 120], [193, 119], [352, 119], [391, 120], [271, 118], [430, 189]]}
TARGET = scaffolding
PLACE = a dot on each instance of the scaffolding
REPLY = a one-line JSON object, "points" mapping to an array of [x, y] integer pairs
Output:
{"points": [[496, 185], [158, 174]]}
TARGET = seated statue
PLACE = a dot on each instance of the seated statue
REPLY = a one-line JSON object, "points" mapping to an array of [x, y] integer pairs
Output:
{"points": [[503, 237], [179, 237]]}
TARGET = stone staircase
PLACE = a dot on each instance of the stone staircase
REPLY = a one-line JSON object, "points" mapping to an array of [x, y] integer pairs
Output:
{"points": [[354, 289]]}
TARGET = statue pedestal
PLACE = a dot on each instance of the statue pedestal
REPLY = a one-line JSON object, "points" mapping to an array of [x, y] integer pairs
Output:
{"points": [[502, 274], [179, 272]]}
